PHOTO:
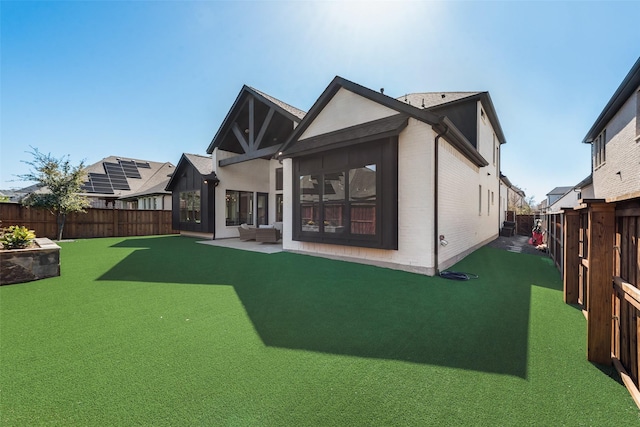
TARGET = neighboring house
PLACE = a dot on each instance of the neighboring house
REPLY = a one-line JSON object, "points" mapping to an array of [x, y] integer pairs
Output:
{"points": [[410, 183], [615, 141], [16, 195], [511, 197], [121, 183], [585, 188], [567, 197], [557, 193], [560, 197], [192, 187]]}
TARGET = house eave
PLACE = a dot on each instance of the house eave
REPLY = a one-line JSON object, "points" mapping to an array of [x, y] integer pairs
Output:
{"points": [[449, 132], [224, 127], [628, 86]]}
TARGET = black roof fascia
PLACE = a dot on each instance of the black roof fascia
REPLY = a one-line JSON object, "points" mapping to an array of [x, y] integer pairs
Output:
{"points": [[620, 96], [365, 132], [237, 104], [486, 101], [440, 123], [451, 133], [175, 173], [339, 82]]}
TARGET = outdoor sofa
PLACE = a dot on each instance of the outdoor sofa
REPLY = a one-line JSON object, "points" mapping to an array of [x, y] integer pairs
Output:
{"points": [[263, 234]]}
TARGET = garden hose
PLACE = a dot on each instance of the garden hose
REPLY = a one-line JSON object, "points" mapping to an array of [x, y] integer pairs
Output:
{"points": [[454, 275]]}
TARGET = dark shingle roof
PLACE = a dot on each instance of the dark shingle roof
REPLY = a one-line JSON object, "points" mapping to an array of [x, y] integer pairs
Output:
{"points": [[147, 174], [203, 164], [559, 191], [291, 109]]}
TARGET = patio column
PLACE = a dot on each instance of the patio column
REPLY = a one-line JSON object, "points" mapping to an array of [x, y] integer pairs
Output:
{"points": [[599, 281], [571, 256]]}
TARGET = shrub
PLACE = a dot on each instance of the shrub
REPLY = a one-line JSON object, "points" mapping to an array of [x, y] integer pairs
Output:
{"points": [[16, 237]]}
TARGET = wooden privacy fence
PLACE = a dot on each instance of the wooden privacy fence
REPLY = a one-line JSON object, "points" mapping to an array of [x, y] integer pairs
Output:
{"points": [[554, 225], [93, 223], [602, 275], [524, 224]]}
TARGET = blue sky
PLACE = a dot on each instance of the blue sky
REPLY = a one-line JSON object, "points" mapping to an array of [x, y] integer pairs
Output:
{"points": [[153, 79]]}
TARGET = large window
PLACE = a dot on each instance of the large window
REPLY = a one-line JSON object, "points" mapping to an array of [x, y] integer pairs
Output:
{"points": [[341, 196], [239, 207], [190, 206]]}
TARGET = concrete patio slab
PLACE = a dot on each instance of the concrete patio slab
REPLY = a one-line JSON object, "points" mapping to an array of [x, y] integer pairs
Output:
{"points": [[252, 246]]}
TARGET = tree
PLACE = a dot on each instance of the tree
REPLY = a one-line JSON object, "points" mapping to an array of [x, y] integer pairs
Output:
{"points": [[528, 206], [61, 185]]}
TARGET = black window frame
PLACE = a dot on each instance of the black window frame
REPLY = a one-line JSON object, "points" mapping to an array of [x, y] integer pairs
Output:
{"points": [[384, 154], [239, 218], [191, 213]]}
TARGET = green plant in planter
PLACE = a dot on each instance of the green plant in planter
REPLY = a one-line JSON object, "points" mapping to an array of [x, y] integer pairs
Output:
{"points": [[16, 237]]}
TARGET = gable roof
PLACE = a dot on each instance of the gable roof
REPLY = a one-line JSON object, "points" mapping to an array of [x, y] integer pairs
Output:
{"points": [[286, 107], [620, 96], [433, 101], [559, 191], [442, 124], [585, 182], [292, 113], [202, 164], [155, 184]]}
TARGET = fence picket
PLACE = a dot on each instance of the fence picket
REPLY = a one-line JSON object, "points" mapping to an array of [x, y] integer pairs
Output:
{"points": [[94, 223]]}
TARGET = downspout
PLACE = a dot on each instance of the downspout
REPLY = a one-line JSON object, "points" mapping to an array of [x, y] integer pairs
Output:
{"points": [[436, 239]]}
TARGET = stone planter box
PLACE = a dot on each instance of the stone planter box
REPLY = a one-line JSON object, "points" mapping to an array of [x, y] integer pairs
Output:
{"points": [[26, 265]]}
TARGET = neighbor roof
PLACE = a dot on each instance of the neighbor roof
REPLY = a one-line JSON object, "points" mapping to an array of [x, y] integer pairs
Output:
{"points": [[155, 184], [559, 191], [624, 91], [116, 176]]}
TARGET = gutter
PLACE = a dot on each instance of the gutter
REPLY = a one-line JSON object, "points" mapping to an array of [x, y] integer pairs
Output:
{"points": [[436, 241]]}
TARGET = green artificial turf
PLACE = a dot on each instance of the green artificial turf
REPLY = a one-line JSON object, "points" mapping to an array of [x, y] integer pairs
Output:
{"points": [[165, 331]]}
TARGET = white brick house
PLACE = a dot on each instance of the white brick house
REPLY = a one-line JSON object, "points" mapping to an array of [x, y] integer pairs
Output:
{"points": [[615, 140], [436, 162], [411, 183]]}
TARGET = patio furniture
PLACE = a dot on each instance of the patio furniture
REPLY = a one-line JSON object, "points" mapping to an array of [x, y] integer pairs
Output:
{"points": [[247, 233], [268, 235]]}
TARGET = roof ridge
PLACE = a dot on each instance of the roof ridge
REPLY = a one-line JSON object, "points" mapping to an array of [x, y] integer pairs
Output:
{"points": [[445, 91], [301, 113]]}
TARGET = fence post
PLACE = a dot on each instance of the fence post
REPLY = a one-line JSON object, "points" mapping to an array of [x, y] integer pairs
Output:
{"points": [[599, 281], [571, 257]]}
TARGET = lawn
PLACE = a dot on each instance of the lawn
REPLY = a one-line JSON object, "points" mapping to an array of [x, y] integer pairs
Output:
{"points": [[165, 331]]}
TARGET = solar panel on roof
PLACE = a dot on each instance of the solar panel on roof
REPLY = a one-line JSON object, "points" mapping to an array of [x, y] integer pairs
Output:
{"points": [[120, 185], [144, 165], [130, 169]]}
